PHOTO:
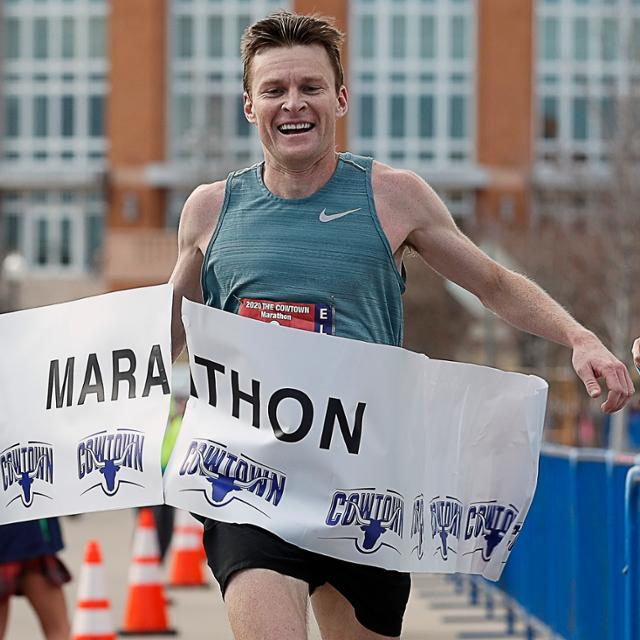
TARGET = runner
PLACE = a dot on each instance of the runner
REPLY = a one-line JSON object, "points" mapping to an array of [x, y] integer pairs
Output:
{"points": [[317, 239], [30, 567]]}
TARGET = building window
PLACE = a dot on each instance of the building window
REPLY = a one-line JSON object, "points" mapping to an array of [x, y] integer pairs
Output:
{"points": [[458, 37], [11, 38], [397, 116], [427, 37], [184, 37], [65, 242], [398, 37], [367, 116], [243, 126], [40, 38], [184, 113], [457, 117], [635, 40], [580, 39], [215, 115], [243, 22], [96, 116], [42, 241], [68, 116], [215, 37], [367, 37], [93, 241], [40, 116], [12, 116], [609, 39], [608, 117], [68, 37], [550, 33], [549, 113], [426, 125], [12, 232], [97, 37], [580, 118]]}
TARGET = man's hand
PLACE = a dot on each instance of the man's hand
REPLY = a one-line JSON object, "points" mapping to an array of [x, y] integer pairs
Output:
{"points": [[636, 353], [592, 360]]}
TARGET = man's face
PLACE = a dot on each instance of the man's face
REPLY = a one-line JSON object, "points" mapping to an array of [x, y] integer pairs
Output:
{"points": [[294, 104]]}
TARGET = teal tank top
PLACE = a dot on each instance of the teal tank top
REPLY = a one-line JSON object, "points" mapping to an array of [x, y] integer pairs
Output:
{"points": [[323, 260]]}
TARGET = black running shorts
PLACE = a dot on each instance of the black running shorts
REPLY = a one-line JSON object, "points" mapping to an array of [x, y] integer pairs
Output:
{"points": [[378, 596]]}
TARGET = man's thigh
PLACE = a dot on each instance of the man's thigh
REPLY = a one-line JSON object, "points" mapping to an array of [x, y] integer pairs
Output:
{"points": [[336, 617], [265, 605]]}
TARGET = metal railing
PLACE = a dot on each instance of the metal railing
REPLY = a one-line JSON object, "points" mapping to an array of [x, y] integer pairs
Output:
{"points": [[575, 565]]}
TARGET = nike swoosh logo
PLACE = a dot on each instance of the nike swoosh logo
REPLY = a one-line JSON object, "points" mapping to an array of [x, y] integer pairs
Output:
{"points": [[328, 217]]}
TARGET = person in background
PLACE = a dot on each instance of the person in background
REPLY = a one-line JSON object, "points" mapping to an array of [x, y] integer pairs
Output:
{"points": [[163, 513], [636, 354], [30, 567]]}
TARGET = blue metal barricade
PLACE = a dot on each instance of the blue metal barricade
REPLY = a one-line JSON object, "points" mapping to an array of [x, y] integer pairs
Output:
{"points": [[566, 569], [591, 541], [618, 466], [631, 600]]}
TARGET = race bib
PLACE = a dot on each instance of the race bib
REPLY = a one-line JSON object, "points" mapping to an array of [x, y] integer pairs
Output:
{"points": [[319, 318]]}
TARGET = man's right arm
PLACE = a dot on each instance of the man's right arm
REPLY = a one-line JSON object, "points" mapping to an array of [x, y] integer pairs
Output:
{"points": [[197, 222]]}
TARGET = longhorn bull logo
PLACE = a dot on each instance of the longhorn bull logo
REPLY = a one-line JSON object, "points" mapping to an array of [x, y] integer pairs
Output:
{"points": [[446, 513], [109, 468], [221, 484], [25, 479], [110, 453], [373, 528], [375, 513], [489, 521]]}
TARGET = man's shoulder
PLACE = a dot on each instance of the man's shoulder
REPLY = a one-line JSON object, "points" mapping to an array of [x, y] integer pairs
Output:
{"points": [[387, 181], [207, 194], [201, 211]]}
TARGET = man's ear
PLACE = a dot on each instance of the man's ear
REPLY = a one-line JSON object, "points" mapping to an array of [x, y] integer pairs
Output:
{"points": [[342, 105], [247, 107]]}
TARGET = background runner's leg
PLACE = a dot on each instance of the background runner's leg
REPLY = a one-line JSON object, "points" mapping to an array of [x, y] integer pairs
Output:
{"points": [[49, 604], [336, 617], [265, 605], [4, 615]]}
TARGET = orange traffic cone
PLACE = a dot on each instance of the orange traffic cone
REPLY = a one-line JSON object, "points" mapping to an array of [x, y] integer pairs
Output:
{"points": [[92, 620], [146, 612], [186, 558]]}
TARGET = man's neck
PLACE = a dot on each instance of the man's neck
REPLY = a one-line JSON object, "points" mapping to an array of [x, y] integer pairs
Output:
{"points": [[294, 183]]}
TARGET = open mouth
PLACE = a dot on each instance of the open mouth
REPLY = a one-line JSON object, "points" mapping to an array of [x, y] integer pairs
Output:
{"points": [[289, 129]]}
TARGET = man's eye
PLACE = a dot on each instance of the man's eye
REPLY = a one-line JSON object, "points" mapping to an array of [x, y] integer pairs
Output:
{"points": [[312, 89], [273, 92]]}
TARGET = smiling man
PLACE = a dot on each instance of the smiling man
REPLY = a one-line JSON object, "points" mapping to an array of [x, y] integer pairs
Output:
{"points": [[314, 239]]}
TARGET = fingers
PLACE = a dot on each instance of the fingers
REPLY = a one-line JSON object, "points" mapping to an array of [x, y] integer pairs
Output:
{"points": [[590, 382], [620, 388], [636, 354]]}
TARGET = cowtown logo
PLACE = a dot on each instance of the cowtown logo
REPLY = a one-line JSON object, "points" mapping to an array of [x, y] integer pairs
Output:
{"points": [[27, 468], [232, 476], [111, 458], [487, 523], [374, 513], [446, 516], [417, 526]]}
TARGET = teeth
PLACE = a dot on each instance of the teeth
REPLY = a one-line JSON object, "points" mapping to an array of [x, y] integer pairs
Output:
{"points": [[300, 126]]}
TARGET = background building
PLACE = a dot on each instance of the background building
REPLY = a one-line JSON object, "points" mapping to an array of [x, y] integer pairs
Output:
{"points": [[112, 111]]}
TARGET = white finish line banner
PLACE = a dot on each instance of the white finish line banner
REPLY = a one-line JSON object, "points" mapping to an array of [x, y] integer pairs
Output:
{"points": [[84, 401], [368, 453]]}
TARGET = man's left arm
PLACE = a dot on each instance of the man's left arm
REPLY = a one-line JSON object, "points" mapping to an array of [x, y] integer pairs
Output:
{"points": [[512, 296]]}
